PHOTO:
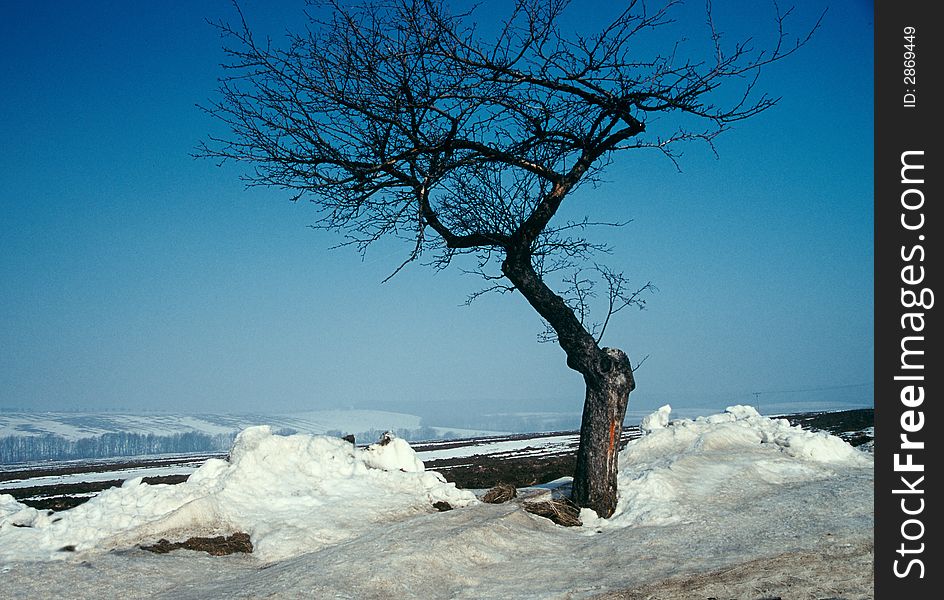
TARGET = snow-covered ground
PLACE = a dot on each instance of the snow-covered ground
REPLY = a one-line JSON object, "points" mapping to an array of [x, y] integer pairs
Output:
{"points": [[38, 437], [75, 426], [182, 468], [697, 498], [523, 446]]}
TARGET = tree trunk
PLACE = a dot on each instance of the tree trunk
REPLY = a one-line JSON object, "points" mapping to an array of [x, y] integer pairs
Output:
{"points": [[600, 430], [609, 380]]}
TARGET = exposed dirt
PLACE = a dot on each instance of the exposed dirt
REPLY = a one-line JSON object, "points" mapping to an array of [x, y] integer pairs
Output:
{"points": [[101, 466], [478, 441], [487, 472], [847, 424], [66, 496], [216, 546]]}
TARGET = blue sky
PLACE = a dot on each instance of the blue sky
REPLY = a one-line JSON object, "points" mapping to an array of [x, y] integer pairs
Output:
{"points": [[133, 276]]}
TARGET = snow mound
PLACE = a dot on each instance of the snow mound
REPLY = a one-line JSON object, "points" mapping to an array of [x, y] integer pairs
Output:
{"points": [[656, 420], [15, 513], [292, 494], [392, 454], [723, 462]]}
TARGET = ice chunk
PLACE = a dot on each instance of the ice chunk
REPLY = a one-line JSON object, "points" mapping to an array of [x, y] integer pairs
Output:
{"points": [[392, 454], [656, 420]]}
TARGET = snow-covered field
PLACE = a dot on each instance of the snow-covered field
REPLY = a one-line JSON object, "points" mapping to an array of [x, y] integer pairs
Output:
{"points": [[498, 447], [75, 426], [182, 466], [33, 437], [699, 499]]}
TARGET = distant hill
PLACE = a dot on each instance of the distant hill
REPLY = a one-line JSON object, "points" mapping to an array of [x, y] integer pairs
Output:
{"points": [[29, 437]]}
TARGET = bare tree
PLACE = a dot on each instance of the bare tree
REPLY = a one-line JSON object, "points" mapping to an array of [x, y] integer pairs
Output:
{"points": [[398, 118]]}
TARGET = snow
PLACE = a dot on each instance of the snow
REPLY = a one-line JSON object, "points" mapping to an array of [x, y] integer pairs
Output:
{"points": [[533, 446], [392, 454], [677, 468], [12, 511], [23, 436], [75, 426], [331, 520], [656, 420], [425, 451], [110, 475], [292, 494]]}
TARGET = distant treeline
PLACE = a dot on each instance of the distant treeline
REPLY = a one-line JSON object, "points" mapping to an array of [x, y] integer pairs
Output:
{"points": [[26, 449], [21, 449]]}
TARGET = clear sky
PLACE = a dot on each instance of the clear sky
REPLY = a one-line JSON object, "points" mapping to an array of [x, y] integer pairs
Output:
{"points": [[133, 276]]}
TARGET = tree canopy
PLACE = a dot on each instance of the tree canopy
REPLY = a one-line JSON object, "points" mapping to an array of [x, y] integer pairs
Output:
{"points": [[401, 118]]}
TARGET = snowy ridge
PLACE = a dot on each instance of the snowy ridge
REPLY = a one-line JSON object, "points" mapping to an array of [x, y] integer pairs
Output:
{"points": [[75, 426], [30, 437]]}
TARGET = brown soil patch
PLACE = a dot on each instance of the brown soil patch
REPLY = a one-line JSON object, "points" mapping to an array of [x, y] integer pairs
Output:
{"points": [[486, 472], [64, 497], [216, 546]]}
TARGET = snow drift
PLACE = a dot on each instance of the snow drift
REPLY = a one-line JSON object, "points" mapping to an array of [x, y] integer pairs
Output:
{"points": [[695, 496], [292, 494], [679, 468]]}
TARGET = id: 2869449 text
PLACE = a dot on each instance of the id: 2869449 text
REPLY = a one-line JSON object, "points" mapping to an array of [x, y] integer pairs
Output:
{"points": [[910, 67]]}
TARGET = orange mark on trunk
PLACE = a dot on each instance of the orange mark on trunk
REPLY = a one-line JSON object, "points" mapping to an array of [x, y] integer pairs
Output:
{"points": [[612, 438]]}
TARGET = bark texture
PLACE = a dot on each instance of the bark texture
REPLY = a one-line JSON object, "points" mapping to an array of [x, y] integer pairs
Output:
{"points": [[609, 379], [603, 412]]}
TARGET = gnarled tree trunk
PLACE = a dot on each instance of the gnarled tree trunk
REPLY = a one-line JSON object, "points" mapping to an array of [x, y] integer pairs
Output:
{"points": [[600, 429], [609, 379]]}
